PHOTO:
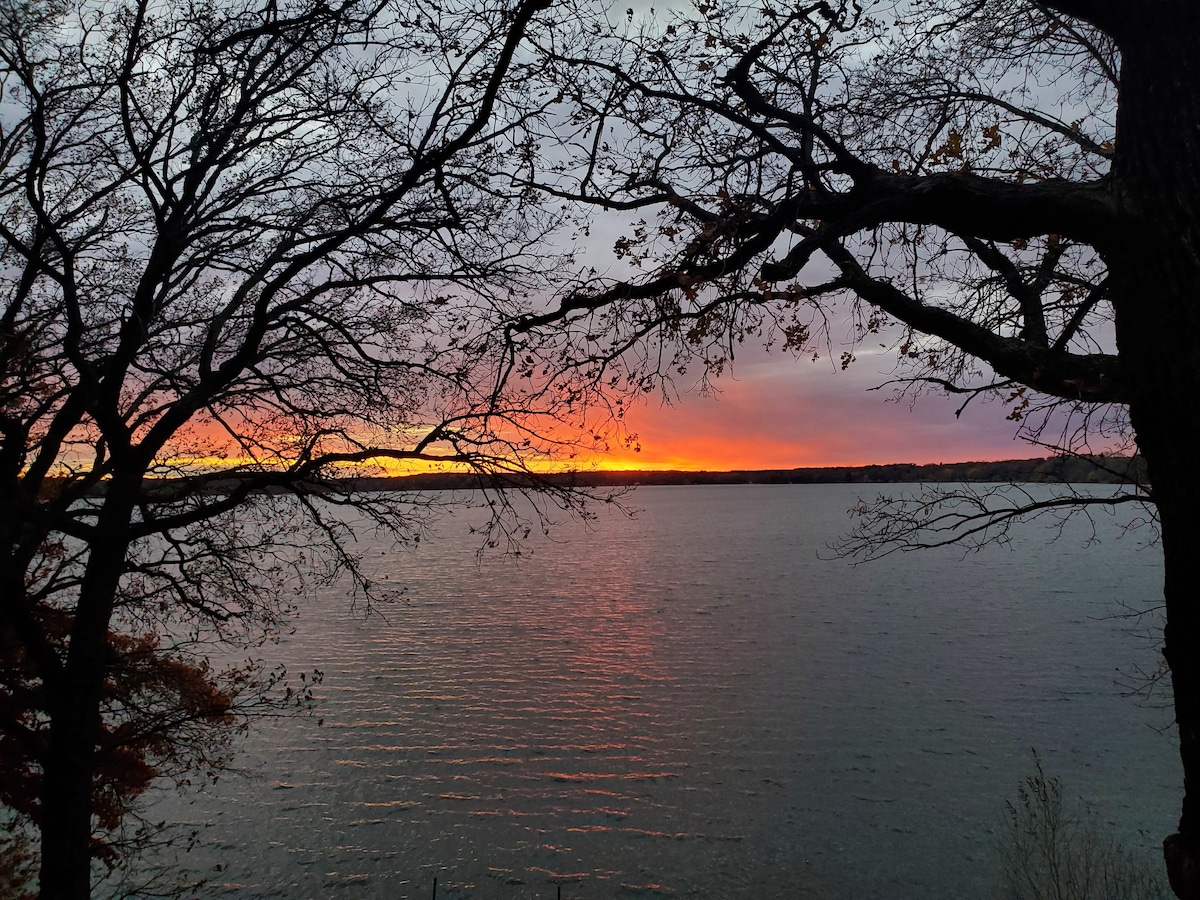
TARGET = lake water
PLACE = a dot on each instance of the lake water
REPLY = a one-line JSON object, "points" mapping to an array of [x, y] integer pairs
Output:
{"points": [[693, 704]]}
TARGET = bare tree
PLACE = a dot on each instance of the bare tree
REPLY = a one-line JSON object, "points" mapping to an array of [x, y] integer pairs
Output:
{"points": [[1005, 193], [246, 245]]}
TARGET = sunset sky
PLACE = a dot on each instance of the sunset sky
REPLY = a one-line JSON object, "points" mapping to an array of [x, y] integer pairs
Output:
{"points": [[776, 412]]}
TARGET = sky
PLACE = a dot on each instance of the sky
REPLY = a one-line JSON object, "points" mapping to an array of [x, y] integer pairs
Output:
{"points": [[778, 412]]}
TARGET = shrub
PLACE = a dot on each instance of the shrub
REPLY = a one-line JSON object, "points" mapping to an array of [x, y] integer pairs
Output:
{"points": [[1051, 848]]}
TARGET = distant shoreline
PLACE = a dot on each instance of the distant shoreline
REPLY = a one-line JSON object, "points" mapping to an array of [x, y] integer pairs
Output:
{"points": [[1041, 470], [1054, 470]]}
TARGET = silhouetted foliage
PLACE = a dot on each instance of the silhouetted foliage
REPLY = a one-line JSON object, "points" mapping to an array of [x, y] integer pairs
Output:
{"points": [[17, 866]]}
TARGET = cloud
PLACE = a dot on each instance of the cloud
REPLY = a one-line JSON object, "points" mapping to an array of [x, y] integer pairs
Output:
{"points": [[778, 412]]}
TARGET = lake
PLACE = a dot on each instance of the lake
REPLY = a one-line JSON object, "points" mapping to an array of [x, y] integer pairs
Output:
{"points": [[694, 704]]}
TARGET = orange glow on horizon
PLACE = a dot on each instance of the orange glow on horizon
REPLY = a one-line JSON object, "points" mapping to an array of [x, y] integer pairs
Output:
{"points": [[757, 427], [769, 417], [718, 436], [726, 458]]}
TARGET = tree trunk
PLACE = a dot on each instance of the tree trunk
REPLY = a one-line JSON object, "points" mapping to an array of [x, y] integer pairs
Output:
{"points": [[66, 853], [74, 709], [1154, 271], [1181, 647]]}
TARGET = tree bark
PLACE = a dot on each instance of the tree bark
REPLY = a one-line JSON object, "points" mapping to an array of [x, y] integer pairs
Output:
{"points": [[1154, 267]]}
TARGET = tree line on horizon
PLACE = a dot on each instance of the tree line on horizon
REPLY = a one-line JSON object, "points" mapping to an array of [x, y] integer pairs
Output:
{"points": [[1116, 470]]}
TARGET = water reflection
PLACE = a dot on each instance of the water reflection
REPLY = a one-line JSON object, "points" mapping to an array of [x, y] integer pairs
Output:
{"points": [[690, 705]]}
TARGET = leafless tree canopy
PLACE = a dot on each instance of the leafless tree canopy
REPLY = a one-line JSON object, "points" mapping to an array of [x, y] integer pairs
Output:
{"points": [[934, 169], [1006, 194], [243, 245]]}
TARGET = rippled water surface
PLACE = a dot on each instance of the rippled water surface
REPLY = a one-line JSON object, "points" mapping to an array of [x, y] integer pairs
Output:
{"points": [[693, 704]]}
